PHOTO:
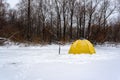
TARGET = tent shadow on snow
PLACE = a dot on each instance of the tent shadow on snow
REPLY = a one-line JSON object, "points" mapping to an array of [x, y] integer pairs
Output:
{"points": [[82, 47]]}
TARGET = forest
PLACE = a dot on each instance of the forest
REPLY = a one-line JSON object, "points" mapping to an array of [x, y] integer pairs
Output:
{"points": [[51, 21]]}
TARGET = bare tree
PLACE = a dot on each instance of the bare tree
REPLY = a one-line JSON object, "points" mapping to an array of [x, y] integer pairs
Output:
{"points": [[3, 12], [91, 10], [64, 10], [29, 20], [58, 11], [72, 4]]}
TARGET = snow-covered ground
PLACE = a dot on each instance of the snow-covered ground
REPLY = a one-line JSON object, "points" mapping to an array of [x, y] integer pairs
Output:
{"points": [[44, 63]]}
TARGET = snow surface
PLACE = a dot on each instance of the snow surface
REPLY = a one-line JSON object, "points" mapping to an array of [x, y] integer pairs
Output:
{"points": [[44, 63]]}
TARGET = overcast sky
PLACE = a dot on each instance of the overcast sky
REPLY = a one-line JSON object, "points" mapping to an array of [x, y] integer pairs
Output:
{"points": [[12, 3]]}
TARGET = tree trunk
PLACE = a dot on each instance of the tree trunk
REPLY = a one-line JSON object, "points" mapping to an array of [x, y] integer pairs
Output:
{"points": [[29, 21]]}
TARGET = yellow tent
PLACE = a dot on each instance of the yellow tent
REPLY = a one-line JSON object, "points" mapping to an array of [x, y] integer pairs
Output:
{"points": [[82, 47]]}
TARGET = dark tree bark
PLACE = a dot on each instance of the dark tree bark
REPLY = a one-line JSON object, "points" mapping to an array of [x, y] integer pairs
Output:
{"points": [[29, 21], [57, 8], [72, 6]]}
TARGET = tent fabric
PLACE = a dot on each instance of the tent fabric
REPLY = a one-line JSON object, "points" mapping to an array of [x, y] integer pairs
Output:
{"points": [[82, 47]]}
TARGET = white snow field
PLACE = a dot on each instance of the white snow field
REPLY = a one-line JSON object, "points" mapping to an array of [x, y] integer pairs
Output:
{"points": [[44, 63]]}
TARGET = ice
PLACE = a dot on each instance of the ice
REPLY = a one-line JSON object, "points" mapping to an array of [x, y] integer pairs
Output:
{"points": [[18, 62]]}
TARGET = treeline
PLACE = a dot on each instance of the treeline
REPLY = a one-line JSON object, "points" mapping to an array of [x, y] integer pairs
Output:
{"points": [[47, 21]]}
